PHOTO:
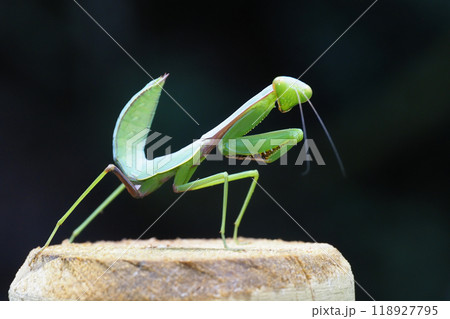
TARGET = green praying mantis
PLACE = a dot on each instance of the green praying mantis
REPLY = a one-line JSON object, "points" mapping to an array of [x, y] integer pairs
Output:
{"points": [[141, 176]]}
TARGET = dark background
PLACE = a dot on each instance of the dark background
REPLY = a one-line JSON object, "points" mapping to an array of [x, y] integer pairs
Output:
{"points": [[382, 89]]}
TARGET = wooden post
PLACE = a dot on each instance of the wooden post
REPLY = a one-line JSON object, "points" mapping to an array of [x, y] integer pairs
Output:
{"points": [[185, 269]]}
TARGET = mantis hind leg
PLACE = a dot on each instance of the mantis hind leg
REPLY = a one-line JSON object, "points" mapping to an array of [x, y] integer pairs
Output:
{"points": [[224, 178], [110, 168], [97, 211]]}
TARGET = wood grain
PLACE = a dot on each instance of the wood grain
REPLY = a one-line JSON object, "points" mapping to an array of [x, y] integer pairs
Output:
{"points": [[185, 269]]}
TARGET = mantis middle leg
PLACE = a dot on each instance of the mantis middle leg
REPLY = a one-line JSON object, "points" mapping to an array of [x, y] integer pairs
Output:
{"points": [[223, 178]]}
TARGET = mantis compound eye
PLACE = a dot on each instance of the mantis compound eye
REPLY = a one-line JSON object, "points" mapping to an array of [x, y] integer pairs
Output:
{"points": [[290, 92]]}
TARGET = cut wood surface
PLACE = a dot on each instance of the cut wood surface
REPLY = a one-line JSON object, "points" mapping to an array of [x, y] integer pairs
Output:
{"points": [[185, 269]]}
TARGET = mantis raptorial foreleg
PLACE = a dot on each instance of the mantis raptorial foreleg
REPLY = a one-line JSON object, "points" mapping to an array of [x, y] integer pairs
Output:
{"points": [[224, 178]]}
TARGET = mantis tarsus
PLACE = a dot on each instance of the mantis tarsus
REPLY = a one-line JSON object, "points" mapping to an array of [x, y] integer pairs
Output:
{"points": [[141, 176]]}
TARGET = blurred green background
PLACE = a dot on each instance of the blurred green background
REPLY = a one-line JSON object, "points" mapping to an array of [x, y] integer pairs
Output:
{"points": [[382, 90]]}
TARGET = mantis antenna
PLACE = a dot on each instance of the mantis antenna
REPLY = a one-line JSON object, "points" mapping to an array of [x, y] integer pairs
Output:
{"points": [[336, 153], [305, 138]]}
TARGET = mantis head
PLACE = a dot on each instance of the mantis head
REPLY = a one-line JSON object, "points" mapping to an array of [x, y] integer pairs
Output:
{"points": [[290, 92]]}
